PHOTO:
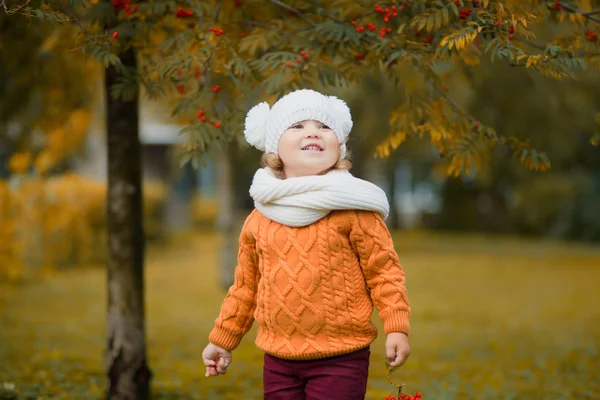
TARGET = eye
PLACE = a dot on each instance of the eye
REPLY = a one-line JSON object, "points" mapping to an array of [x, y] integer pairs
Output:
{"points": [[325, 127], [297, 126]]}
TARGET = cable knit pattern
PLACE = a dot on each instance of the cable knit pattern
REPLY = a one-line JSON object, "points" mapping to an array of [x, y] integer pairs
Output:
{"points": [[312, 289]]}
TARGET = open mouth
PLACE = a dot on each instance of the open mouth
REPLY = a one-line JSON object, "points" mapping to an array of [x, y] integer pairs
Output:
{"points": [[312, 147]]}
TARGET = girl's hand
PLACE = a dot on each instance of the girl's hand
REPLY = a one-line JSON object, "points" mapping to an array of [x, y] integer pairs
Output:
{"points": [[216, 360], [397, 348]]}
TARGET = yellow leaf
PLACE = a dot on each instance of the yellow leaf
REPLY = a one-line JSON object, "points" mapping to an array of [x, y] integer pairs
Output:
{"points": [[455, 166], [529, 62], [44, 161], [19, 162], [430, 22]]}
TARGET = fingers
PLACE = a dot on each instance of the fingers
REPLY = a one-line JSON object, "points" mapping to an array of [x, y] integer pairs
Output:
{"points": [[222, 365], [216, 368], [399, 358], [216, 360], [397, 355]]}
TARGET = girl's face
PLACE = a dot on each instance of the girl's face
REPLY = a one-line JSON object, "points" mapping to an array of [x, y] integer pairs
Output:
{"points": [[308, 148]]}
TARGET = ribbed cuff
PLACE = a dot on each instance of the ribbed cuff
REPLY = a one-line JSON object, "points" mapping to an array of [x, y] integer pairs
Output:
{"points": [[224, 338], [396, 321]]}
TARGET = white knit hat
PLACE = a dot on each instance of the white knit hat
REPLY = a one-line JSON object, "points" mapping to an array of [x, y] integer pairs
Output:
{"points": [[265, 126]]}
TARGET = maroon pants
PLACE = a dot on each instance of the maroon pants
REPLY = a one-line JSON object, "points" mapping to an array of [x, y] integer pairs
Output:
{"points": [[333, 378]]}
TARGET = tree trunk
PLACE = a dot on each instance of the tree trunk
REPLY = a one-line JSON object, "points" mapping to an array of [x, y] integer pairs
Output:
{"points": [[225, 219], [126, 365], [393, 218]]}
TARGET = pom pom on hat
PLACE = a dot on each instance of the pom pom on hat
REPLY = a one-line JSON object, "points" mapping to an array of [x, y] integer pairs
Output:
{"points": [[255, 129], [343, 112]]}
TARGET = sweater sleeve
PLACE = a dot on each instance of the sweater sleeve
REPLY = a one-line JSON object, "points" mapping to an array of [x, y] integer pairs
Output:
{"points": [[383, 273], [237, 311]]}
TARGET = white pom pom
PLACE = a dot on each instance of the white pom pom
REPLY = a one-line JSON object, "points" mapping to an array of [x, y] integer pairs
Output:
{"points": [[342, 114], [255, 130]]}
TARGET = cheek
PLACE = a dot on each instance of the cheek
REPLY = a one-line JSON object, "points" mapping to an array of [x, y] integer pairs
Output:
{"points": [[286, 148], [333, 143]]}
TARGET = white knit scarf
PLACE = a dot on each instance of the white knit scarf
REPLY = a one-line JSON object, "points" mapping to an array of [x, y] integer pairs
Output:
{"points": [[300, 201]]}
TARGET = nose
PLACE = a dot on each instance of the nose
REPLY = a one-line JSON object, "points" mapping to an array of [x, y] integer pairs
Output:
{"points": [[312, 134]]}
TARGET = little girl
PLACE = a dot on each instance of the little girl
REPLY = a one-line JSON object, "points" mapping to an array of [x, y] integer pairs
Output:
{"points": [[315, 255]]}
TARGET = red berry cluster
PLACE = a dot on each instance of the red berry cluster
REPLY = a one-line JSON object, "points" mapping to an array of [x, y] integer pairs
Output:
{"points": [[217, 32], [403, 396], [200, 115], [183, 13], [215, 89], [119, 5], [591, 35], [558, 6], [387, 12], [131, 10], [238, 3], [465, 13], [511, 32], [298, 59], [181, 88]]}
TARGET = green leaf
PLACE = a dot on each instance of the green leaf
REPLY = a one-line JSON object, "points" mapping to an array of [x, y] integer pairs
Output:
{"points": [[534, 158], [397, 54], [185, 159]]}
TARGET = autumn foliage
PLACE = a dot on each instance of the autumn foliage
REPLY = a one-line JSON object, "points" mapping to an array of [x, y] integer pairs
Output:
{"points": [[213, 59], [219, 56]]}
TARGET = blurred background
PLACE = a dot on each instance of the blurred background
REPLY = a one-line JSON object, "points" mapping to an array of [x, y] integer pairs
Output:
{"points": [[496, 260]]}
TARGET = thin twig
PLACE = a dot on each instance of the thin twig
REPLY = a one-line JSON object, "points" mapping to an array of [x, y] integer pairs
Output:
{"points": [[216, 13], [14, 10], [587, 14], [291, 9], [70, 13], [451, 101], [531, 43]]}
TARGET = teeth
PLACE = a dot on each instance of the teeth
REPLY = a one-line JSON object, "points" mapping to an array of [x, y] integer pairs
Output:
{"points": [[312, 148]]}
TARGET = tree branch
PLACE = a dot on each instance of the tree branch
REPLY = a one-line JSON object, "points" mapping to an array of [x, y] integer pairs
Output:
{"points": [[216, 13], [298, 13], [531, 43], [74, 17], [594, 12], [542, 47], [14, 10], [588, 14]]}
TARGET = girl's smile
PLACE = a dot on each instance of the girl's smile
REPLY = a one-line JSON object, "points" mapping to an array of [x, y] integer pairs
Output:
{"points": [[308, 148]]}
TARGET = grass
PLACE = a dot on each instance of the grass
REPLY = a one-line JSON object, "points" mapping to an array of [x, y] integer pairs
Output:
{"points": [[493, 318]]}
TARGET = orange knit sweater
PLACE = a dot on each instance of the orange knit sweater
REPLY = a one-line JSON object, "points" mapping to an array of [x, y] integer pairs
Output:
{"points": [[311, 289]]}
